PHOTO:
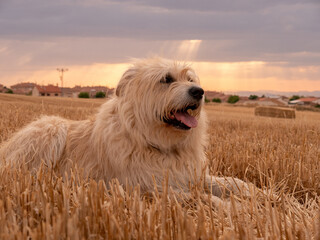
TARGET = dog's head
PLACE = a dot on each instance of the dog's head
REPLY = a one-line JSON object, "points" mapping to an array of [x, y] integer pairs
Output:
{"points": [[164, 95]]}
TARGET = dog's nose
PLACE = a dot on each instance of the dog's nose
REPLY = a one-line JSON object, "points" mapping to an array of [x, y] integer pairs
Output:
{"points": [[196, 92]]}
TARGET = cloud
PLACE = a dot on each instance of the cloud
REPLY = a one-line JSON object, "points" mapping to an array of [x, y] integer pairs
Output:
{"points": [[38, 34], [166, 20]]}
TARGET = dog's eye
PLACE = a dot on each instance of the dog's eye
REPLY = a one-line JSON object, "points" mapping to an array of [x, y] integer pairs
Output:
{"points": [[190, 79], [167, 79]]}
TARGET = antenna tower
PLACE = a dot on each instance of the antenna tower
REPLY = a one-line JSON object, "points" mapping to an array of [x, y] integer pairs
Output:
{"points": [[61, 71]]}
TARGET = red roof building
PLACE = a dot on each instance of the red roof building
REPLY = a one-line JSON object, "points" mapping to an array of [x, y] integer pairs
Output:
{"points": [[311, 101], [308, 100], [49, 90]]}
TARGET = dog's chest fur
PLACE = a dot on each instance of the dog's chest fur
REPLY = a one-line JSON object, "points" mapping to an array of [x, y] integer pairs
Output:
{"points": [[119, 154]]}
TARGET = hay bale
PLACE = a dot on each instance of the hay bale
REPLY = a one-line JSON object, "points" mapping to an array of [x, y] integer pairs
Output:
{"points": [[275, 112]]}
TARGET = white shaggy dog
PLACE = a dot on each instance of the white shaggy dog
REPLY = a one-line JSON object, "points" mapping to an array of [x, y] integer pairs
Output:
{"points": [[153, 124]]}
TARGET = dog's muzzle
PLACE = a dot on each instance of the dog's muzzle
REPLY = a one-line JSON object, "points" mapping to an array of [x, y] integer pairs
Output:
{"points": [[185, 118]]}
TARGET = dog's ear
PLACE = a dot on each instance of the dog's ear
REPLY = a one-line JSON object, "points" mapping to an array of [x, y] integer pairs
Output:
{"points": [[125, 79]]}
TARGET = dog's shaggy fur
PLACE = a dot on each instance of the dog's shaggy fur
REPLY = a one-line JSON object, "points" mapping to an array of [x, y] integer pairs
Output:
{"points": [[153, 124]]}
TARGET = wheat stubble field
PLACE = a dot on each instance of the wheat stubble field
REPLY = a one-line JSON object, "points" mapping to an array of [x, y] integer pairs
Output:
{"points": [[281, 156]]}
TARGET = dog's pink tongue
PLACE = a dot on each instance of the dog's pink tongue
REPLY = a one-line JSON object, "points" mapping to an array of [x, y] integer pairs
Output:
{"points": [[186, 119]]}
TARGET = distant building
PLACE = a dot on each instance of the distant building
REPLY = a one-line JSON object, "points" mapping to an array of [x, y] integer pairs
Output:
{"points": [[310, 101], [52, 90], [2, 88], [296, 102], [284, 100], [23, 88], [49, 90], [69, 92], [316, 102]]}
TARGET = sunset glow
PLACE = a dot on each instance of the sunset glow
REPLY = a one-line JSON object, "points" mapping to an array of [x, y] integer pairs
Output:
{"points": [[219, 76], [253, 76], [188, 49]]}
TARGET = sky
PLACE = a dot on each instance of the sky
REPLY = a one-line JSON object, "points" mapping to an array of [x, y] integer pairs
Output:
{"points": [[233, 45]]}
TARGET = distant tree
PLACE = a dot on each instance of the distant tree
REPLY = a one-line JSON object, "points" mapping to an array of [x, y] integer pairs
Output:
{"points": [[294, 97], [253, 97], [233, 99], [83, 95], [263, 96], [206, 100], [317, 106], [216, 100], [100, 95], [9, 91]]}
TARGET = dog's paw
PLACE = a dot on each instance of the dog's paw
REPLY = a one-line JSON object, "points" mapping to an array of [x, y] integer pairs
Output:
{"points": [[224, 186]]}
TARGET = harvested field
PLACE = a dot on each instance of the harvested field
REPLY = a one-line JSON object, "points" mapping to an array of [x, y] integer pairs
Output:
{"points": [[279, 155], [275, 112]]}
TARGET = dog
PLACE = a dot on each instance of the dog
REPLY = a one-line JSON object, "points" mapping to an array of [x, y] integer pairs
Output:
{"points": [[154, 123]]}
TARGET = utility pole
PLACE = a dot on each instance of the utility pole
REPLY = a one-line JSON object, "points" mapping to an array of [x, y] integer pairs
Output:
{"points": [[61, 71]]}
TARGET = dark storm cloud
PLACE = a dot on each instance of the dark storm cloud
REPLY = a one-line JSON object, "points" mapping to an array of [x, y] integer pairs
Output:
{"points": [[246, 30]]}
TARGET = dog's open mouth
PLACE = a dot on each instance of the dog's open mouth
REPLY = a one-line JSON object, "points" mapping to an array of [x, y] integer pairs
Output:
{"points": [[183, 119]]}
